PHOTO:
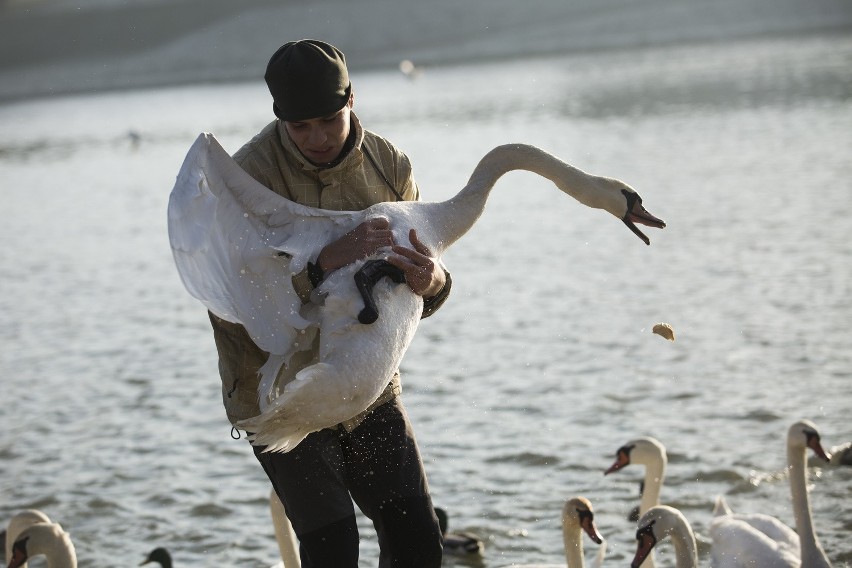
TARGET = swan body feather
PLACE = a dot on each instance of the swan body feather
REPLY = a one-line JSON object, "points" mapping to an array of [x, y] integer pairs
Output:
{"points": [[237, 245]]}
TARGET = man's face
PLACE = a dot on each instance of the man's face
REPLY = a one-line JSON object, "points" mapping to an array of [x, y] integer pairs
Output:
{"points": [[321, 140]]}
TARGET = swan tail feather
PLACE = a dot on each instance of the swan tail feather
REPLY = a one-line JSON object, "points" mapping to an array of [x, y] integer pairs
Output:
{"points": [[310, 402], [721, 508]]}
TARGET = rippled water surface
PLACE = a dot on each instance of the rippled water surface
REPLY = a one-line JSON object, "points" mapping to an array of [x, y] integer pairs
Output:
{"points": [[541, 364]]}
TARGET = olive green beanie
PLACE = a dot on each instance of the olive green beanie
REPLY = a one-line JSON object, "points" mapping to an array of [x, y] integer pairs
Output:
{"points": [[307, 79]]}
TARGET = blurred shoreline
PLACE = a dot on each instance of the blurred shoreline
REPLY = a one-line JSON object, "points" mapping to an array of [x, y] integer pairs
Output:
{"points": [[56, 47]]}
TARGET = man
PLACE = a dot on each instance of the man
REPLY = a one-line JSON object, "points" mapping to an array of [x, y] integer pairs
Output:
{"points": [[316, 153]]}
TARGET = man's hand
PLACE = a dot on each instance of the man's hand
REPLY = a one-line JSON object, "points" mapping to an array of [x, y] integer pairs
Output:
{"points": [[422, 273], [360, 242]]}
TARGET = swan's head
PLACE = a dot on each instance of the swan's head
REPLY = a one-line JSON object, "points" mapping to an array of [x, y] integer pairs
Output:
{"points": [[655, 525], [636, 213], [577, 513], [803, 434], [49, 539], [609, 194], [643, 451]]}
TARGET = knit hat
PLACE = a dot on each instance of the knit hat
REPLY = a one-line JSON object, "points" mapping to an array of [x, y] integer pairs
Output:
{"points": [[307, 79]]}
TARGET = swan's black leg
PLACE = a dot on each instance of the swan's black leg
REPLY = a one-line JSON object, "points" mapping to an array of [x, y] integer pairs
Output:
{"points": [[365, 280]]}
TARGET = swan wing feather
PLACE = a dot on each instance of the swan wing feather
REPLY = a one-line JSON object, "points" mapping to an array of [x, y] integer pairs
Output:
{"points": [[739, 543], [236, 245]]}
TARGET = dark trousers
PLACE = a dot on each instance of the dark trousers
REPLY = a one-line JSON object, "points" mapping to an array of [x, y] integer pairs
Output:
{"points": [[378, 466]]}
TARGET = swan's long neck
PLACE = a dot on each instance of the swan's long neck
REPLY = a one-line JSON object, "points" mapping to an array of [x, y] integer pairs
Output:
{"points": [[812, 553], [53, 542], [686, 551], [655, 472], [459, 213], [572, 539]]}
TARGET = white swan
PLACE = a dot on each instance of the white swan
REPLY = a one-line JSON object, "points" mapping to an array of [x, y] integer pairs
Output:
{"points": [[841, 455], [651, 453], [458, 543], [19, 522], [577, 517], [663, 521], [48, 539], [236, 245], [762, 540]]}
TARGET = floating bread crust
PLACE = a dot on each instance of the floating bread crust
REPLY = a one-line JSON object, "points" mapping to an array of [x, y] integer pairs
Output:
{"points": [[664, 330]]}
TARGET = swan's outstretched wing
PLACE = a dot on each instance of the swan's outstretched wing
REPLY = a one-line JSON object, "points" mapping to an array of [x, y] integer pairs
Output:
{"points": [[237, 244]]}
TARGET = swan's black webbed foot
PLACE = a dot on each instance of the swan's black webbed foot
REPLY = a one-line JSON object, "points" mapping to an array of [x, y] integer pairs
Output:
{"points": [[366, 278]]}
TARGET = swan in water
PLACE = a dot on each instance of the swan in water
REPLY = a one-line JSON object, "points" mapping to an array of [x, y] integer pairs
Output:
{"points": [[577, 517], [19, 522], [458, 543], [47, 539], [662, 521], [841, 455], [741, 540], [237, 244], [651, 453]]}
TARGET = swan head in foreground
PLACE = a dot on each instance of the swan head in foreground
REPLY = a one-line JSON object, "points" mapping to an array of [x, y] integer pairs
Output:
{"points": [[803, 435], [658, 523], [578, 517], [19, 522], [47, 539]]}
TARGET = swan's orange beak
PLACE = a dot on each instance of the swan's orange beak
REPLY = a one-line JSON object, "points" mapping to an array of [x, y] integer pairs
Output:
{"points": [[587, 522], [636, 213], [816, 446], [646, 542], [622, 459]]}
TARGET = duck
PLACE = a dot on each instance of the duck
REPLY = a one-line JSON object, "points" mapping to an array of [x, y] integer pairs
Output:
{"points": [[577, 517], [660, 522], [651, 453], [458, 543], [43, 539], [160, 555], [18, 523], [763, 540], [236, 245]]}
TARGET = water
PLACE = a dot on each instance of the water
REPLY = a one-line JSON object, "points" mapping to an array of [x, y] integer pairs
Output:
{"points": [[541, 364]]}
